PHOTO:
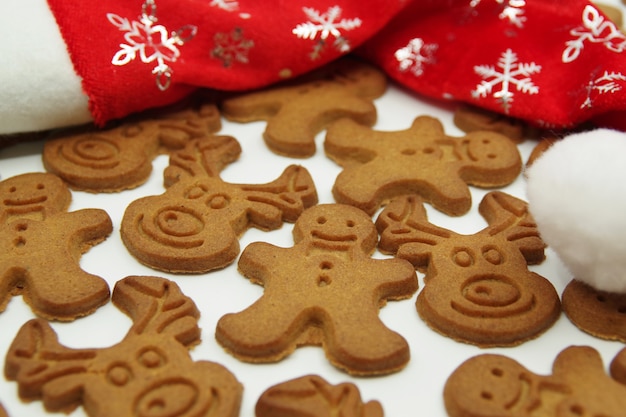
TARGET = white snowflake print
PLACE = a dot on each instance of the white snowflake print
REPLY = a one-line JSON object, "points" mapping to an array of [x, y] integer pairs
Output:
{"points": [[605, 84], [228, 5], [511, 73], [231, 47], [325, 25], [512, 10], [595, 29], [415, 55], [151, 42]]}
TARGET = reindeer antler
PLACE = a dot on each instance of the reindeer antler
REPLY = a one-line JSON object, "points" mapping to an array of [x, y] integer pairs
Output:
{"points": [[36, 357], [159, 307], [291, 193], [404, 227], [509, 215], [202, 157]]}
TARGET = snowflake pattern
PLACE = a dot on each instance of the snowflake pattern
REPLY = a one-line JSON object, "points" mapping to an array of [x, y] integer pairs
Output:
{"points": [[326, 24], [512, 10], [228, 5], [595, 29], [605, 84], [231, 47], [151, 42], [415, 55], [511, 73]]}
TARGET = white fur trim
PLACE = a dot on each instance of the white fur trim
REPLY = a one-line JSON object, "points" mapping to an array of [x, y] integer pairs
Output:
{"points": [[577, 194], [38, 86]]}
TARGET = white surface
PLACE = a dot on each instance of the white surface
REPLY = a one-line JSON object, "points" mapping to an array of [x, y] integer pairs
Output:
{"points": [[415, 391]]}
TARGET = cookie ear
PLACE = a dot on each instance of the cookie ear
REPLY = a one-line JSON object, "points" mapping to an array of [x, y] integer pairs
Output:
{"points": [[157, 305], [404, 227], [509, 216]]}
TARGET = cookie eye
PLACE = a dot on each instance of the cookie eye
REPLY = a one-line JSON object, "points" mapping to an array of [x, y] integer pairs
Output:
{"points": [[493, 255], [350, 223], [119, 375], [463, 258], [151, 358], [321, 220], [408, 152]]}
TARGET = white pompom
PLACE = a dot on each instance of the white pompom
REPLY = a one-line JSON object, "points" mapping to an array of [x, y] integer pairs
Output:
{"points": [[577, 194]]}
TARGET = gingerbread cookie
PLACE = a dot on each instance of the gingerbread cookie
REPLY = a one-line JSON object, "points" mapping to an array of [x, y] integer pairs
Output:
{"points": [[494, 385], [325, 290], [599, 313], [542, 145], [296, 112], [312, 396], [148, 373], [478, 287], [3, 412], [120, 157], [618, 367], [379, 166], [194, 226], [471, 118], [41, 244]]}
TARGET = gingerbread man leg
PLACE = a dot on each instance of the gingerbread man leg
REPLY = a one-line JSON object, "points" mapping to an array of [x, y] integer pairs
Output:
{"points": [[264, 332]]}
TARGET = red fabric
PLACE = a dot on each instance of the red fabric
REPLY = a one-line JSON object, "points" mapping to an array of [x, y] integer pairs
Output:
{"points": [[553, 63]]}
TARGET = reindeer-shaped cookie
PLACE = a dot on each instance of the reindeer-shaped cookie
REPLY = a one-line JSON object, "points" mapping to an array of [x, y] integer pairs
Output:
{"points": [[297, 112], [381, 165], [326, 290], [148, 373], [478, 288], [41, 244], [120, 157], [195, 225], [495, 385], [311, 395]]}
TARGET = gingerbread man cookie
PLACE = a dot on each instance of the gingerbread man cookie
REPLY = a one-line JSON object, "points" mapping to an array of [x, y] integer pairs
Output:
{"points": [[379, 166], [478, 287], [325, 290], [295, 113], [148, 373], [494, 385], [311, 395], [120, 157], [41, 244], [194, 226]]}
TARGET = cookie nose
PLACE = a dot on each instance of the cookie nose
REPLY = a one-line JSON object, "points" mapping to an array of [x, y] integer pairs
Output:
{"points": [[168, 398]]}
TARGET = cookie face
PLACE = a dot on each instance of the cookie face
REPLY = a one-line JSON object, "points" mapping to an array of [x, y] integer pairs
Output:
{"points": [[379, 166], [326, 290], [489, 385], [41, 245], [120, 157], [311, 395], [297, 112], [150, 372], [478, 287], [195, 225], [599, 313]]}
